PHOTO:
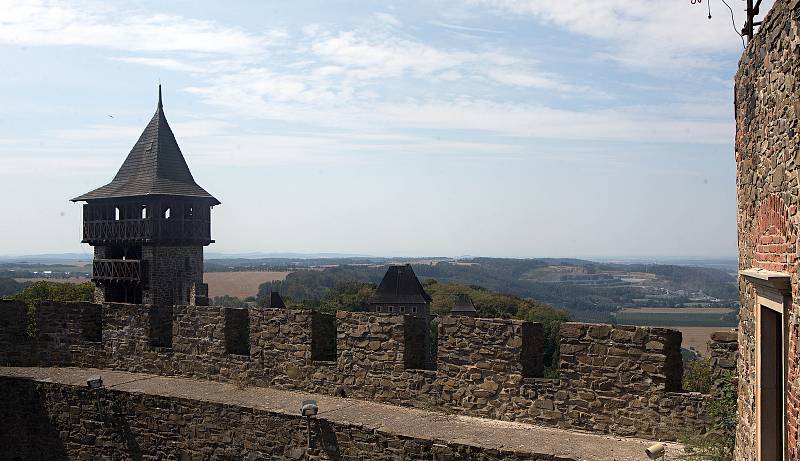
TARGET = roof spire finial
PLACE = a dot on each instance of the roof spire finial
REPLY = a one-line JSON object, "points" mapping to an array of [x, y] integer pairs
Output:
{"points": [[160, 105]]}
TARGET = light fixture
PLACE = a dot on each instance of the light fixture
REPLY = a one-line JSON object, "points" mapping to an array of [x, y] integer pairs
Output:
{"points": [[95, 383], [655, 451], [308, 409]]}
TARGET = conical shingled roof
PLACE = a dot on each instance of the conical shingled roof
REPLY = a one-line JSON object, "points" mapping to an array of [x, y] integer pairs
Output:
{"points": [[275, 300], [155, 166], [464, 305], [400, 285]]}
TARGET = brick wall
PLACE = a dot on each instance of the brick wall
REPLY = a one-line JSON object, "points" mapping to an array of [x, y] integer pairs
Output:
{"points": [[767, 114]]}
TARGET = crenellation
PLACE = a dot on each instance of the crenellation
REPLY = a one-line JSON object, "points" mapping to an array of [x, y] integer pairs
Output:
{"points": [[613, 379], [237, 331], [68, 333], [16, 347]]}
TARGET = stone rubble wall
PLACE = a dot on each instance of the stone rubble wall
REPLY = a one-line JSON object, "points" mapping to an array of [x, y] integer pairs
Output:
{"points": [[616, 380], [767, 109], [68, 333], [175, 271], [54, 421], [483, 360], [626, 379], [724, 352]]}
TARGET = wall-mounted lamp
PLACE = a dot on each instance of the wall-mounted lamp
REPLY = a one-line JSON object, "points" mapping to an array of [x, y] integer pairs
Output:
{"points": [[655, 451], [308, 410], [95, 383]]}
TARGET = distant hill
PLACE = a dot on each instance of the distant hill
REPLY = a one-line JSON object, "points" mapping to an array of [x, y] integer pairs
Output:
{"points": [[588, 290]]}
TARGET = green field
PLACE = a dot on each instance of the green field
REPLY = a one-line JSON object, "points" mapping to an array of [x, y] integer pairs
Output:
{"points": [[679, 318]]}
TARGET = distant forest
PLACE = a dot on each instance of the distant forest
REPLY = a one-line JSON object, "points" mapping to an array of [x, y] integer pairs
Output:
{"points": [[513, 276]]}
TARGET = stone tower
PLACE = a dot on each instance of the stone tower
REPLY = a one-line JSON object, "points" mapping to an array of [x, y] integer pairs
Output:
{"points": [[149, 225], [768, 197]]}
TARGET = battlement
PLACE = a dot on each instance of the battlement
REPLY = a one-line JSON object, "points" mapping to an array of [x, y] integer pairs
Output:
{"points": [[613, 379]]}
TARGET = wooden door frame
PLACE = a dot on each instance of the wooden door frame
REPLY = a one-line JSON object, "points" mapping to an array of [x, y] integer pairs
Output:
{"points": [[772, 291]]}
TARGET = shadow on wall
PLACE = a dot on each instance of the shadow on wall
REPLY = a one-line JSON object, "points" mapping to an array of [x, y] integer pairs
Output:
{"points": [[26, 431], [327, 441]]}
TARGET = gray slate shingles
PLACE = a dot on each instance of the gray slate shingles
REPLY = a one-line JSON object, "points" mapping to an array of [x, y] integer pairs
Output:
{"points": [[155, 166], [400, 285]]}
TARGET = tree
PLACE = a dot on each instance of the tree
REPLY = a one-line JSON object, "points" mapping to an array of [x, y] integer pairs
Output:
{"points": [[349, 296], [44, 291], [228, 301], [9, 286]]}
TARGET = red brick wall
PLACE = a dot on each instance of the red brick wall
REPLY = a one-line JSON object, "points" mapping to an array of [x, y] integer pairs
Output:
{"points": [[773, 237]]}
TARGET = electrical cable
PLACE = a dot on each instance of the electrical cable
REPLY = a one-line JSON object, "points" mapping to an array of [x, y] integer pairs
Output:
{"points": [[733, 21]]}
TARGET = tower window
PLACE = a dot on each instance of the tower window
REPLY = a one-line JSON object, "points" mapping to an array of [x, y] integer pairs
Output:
{"points": [[144, 211], [167, 213], [116, 214]]}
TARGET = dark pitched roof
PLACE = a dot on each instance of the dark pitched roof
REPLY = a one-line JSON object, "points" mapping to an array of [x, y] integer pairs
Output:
{"points": [[155, 166], [463, 304], [400, 285], [275, 301]]}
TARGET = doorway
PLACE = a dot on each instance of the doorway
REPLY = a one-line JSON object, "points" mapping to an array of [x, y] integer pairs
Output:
{"points": [[771, 381]]}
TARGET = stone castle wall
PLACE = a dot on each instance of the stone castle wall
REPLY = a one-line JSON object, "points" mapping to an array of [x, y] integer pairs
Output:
{"points": [[16, 347], [613, 379], [173, 273], [768, 196], [59, 422]]}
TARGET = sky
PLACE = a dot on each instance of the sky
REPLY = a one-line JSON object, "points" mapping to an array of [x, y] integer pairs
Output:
{"points": [[509, 128]]}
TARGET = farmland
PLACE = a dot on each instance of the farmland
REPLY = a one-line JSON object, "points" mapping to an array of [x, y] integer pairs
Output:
{"points": [[239, 284], [696, 323], [53, 279], [677, 317], [697, 337]]}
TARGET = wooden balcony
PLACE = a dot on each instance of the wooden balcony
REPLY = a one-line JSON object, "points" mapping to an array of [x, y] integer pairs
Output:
{"points": [[147, 231], [119, 270]]}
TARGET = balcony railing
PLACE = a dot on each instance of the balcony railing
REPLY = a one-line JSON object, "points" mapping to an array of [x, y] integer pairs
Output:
{"points": [[147, 230], [119, 270]]}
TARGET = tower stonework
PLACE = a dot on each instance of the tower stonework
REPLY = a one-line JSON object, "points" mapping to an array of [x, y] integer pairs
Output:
{"points": [[768, 198], [149, 225]]}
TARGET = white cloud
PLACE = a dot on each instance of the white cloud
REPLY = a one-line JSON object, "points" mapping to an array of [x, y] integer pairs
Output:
{"points": [[388, 19], [654, 35], [164, 63], [385, 56], [540, 80], [55, 23]]}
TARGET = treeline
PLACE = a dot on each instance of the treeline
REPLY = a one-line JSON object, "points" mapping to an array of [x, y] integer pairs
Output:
{"points": [[47, 291], [307, 288], [348, 288], [9, 286]]}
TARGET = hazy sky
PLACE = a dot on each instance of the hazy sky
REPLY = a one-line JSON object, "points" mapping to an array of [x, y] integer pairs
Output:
{"points": [[488, 127]]}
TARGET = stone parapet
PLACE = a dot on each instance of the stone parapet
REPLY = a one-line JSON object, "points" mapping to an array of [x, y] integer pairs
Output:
{"points": [[613, 379]]}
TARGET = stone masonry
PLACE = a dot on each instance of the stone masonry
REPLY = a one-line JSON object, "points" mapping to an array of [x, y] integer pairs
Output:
{"points": [[48, 413], [617, 380], [767, 160]]}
